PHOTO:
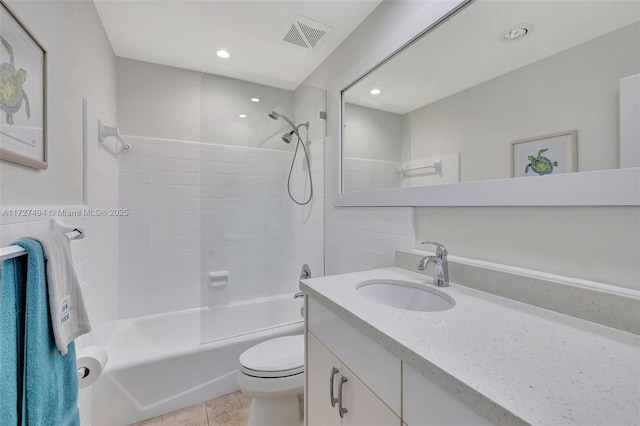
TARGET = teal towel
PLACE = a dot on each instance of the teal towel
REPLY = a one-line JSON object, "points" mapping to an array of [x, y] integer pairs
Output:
{"points": [[50, 383], [12, 293]]}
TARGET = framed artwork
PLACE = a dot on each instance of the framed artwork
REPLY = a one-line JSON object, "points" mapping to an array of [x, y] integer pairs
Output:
{"points": [[545, 155], [23, 93]]}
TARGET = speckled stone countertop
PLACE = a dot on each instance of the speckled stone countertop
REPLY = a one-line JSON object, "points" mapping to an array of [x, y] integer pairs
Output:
{"points": [[511, 362]]}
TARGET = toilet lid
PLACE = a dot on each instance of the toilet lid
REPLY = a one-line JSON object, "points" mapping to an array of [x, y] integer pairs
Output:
{"points": [[283, 356]]}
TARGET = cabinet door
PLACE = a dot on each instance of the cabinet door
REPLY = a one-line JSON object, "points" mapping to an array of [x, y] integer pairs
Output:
{"points": [[320, 361], [364, 408]]}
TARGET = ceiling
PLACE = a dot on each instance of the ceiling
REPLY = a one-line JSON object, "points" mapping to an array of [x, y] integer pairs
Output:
{"points": [[187, 34], [468, 49]]}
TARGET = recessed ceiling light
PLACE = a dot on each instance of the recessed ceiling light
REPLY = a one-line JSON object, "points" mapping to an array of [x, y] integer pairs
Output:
{"points": [[517, 32], [255, 99], [243, 116], [223, 54], [375, 91]]}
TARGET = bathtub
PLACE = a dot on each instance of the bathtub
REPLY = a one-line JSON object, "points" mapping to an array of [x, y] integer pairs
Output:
{"points": [[158, 364]]}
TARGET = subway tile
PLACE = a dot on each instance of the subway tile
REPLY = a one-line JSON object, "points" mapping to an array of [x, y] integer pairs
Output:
{"points": [[143, 163], [159, 177], [173, 164], [159, 164], [143, 176]]}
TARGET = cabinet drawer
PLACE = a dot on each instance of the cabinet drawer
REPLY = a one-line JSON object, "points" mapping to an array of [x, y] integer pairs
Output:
{"points": [[378, 368]]}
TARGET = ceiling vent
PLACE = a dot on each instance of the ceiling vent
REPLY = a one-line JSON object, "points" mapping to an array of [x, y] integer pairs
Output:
{"points": [[305, 32]]}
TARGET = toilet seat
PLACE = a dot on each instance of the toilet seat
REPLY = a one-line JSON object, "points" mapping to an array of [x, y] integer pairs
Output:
{"points": [[280, 357]]}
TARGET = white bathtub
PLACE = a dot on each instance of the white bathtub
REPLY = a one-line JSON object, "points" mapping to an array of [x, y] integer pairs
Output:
{"points": [[158, 364]]}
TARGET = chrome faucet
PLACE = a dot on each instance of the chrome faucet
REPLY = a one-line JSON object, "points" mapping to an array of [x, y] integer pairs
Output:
{"points": [[440, 264]]}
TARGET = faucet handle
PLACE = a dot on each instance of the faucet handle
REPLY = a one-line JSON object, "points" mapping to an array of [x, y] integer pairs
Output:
{"points": [[440, 249]]}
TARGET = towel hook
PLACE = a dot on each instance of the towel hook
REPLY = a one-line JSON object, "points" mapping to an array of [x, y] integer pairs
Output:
{"points": [[107, 131], [64, 229]]}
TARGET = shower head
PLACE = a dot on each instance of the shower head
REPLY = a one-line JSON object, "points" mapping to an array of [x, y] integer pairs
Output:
{"points": [[274, 115], [286, 138]]}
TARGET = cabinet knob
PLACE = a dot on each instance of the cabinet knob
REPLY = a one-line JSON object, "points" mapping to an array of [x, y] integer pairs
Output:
{"points": [[333, 400]]}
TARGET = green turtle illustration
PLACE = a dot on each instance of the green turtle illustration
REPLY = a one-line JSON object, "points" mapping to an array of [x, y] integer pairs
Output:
{"points": [[541, 165], [11, 92]]}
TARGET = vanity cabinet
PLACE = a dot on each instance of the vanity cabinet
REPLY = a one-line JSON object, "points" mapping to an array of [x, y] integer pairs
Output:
{"points": [[425, 403], [331, 381], [371, 393], [379, 389]]}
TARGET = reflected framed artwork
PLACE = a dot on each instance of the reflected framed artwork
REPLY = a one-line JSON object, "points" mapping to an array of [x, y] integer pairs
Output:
{"points": [[545, 155], [23, 100]]}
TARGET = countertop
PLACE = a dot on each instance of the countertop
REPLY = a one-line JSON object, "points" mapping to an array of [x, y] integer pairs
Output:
{"points": [[539, 366]]}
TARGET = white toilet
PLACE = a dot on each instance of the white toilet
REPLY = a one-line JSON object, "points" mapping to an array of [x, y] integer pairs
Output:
{"points": [[272, 373]]}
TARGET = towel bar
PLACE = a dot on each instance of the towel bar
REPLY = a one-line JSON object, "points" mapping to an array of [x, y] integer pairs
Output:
{"points": [[73, 233]]}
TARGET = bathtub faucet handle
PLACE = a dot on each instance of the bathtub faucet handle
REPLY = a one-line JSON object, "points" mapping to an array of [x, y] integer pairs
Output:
{"points": [[298, 295]]}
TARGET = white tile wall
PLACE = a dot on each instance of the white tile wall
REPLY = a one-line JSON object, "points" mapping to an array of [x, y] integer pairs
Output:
{"points": [[361, 174], [160, 239], [361, 238], [246, 222], [95, 257], [208, 208]]}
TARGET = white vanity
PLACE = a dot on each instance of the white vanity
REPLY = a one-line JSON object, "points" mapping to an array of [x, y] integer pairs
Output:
{"points": [[486, 360]]}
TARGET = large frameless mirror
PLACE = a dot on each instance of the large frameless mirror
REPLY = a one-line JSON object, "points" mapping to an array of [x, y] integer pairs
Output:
{"points": [[516, 90]]}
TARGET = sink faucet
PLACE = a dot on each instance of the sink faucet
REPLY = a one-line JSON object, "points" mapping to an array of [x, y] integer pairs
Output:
{"points": [[440, 264]]}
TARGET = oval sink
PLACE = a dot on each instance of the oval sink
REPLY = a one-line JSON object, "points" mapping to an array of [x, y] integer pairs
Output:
{"points": [[405, 295]]}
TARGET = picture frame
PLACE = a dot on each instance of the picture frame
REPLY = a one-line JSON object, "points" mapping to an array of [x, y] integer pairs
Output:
{"points": [[23, 97], [554, 153]]}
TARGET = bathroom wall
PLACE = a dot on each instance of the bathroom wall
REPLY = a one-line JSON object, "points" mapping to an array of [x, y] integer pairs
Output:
{"points": [[160, 238], [81, 64], [373, 134], [361, 174], [166, 102], [196, 209], [247, 223], [364, 238], [202, 208], [158, 101], [223, 99], [95, 257], [593, 243], [378, 142]]}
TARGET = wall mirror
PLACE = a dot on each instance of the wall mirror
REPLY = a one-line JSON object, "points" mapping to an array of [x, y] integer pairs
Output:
{"points": [[506, 96]]}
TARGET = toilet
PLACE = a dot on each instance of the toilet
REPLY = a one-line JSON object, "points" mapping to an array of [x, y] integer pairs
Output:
{"points": [[272, 373]]}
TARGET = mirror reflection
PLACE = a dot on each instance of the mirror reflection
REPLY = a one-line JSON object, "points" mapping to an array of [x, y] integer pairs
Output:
{"points": [[503, 89]]}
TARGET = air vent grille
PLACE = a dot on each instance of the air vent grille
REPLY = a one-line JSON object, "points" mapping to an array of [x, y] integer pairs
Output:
{"points": [[294, 37], [305, 32], [313, 34]]}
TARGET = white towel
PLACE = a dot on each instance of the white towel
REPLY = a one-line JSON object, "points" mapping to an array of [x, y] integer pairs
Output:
{"points": [[68, 314]]}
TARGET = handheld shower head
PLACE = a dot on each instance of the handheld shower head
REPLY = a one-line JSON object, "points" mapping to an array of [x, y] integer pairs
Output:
{"points": [[274, 115], [286, 138]]}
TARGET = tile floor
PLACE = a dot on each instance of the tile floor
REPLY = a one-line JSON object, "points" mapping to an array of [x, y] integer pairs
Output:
{"points": [[228, 410]]}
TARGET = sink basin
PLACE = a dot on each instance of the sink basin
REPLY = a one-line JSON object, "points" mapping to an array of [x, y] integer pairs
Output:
{"points": [[405, 295]]}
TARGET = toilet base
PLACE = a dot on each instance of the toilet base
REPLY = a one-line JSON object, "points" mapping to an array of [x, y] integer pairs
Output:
{"points": [[281, 411]]}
